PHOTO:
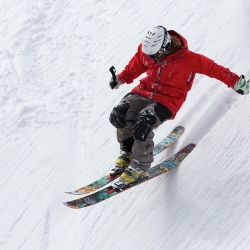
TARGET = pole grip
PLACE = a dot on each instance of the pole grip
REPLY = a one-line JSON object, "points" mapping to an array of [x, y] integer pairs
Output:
{"points": [[113, 71]]}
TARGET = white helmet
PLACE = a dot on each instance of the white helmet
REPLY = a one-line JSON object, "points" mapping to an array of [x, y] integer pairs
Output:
{"points": [[155, 40]]}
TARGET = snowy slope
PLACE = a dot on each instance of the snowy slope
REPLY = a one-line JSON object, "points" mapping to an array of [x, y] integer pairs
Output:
{"points": [[55, 135]]}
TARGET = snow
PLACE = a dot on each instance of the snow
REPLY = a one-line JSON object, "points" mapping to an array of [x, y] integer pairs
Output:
{"points": [[55, 133]]}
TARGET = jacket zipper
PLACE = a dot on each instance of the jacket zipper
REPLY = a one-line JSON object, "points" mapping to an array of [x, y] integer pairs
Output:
{"points": [[159, 74]]}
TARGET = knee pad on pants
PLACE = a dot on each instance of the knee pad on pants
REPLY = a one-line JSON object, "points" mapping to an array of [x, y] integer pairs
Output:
{"points": [[118, 114], [143, 125]]}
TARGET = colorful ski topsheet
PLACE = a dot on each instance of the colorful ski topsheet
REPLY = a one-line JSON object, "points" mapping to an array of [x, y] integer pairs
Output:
{"points": [[169, 140], [165, 143], [108, 192]]}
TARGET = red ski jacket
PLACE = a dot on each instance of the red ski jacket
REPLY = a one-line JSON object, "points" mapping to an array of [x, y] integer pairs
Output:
{"points": [[169, 79]]}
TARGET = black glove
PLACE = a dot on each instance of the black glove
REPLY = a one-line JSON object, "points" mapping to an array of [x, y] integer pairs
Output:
{"points": [[114, 83]]}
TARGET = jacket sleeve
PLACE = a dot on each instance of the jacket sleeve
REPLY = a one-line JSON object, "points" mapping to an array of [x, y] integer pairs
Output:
{"points": [[134, 68], [203, 65]]}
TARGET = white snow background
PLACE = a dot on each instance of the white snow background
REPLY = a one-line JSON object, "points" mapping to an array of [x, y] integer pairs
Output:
{"points": [[55, 134]]}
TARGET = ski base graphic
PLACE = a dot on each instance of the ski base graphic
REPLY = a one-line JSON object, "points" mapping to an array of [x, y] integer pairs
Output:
{"points": [[165, 143], [108, 192]]}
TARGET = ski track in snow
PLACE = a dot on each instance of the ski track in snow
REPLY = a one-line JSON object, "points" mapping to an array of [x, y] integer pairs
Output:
{"points": [[55, 134]]}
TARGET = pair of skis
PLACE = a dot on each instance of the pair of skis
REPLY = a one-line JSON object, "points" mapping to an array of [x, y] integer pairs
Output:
{"points": [[110, 191]]}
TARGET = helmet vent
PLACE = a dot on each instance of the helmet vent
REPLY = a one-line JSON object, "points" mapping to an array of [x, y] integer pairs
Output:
{"points": [[151, 33], [157, 38]]}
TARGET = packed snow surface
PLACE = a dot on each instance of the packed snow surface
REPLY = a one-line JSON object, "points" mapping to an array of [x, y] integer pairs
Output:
{"points": [[55, 134]]}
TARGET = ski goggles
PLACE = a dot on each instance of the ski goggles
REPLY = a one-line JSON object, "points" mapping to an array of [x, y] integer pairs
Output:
{"points": [[159, 54], [165, 49]]}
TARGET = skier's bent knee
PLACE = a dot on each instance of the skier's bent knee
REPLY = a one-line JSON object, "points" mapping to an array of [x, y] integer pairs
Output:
{"points": [[118, 114], [143, 125]]}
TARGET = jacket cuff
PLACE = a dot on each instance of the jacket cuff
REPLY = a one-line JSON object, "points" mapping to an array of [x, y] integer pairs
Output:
{"points": [[121, 78]]}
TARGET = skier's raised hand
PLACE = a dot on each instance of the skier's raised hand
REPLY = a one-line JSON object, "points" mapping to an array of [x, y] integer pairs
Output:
{"points": [[115, 82]]}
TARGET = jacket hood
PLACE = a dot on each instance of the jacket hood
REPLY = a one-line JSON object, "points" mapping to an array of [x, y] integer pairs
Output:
{"points": [[183, 40]]}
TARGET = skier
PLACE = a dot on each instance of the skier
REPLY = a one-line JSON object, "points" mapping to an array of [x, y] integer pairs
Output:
{"points": [[171, 68]]}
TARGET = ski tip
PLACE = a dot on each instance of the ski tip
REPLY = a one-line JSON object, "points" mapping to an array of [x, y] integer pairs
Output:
{"points": [[181, 127], [75, 193], [191, 146], [66, 204], [83, 191], [70, 205]]}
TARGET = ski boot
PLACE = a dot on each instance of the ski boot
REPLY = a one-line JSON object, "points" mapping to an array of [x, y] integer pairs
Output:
{"points": [[129, 176], [121, 163]]}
